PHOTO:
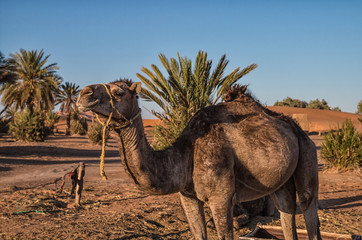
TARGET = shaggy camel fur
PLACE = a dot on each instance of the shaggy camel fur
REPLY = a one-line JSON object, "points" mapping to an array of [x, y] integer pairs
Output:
{"points": [[235, 151]]}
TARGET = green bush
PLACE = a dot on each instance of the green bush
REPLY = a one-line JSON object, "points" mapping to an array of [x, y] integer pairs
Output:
{"points": [[95, 134], [359, 107], [79, 126], [342, 147], [28, 126], [318, 104], [290, 102], [167, 132], [51, 118]]}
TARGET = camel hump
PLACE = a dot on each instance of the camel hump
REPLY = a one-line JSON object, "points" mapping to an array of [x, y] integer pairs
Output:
{"points": [[235, 92]]}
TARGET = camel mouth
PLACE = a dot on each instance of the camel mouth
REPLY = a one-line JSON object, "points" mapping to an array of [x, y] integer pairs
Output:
{"points": [[102, 115], [89, 106]]}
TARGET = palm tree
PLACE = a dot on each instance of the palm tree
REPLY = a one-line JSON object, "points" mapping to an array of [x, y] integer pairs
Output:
{"points": [[36, 82], [185, 90], [7, 74], [67, 97]]}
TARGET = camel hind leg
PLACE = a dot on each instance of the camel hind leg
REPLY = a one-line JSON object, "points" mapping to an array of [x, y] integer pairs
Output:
{"points": [[306, 182], [285, 201]]}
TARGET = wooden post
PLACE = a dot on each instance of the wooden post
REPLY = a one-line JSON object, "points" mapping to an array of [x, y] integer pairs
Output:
{"points": [[79, 188]]}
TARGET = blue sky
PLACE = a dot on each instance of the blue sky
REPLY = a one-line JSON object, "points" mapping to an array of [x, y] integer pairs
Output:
{"points": [[304, 49]]}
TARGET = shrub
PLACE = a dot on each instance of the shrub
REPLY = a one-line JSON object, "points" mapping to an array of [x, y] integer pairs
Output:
{"points": [[28, 126], [95, 134], [290, 102], [79, 126], [342, 148], [75, 115], [166, 133], [337, 109], [359, 107], [51, 118], [318, 104]]}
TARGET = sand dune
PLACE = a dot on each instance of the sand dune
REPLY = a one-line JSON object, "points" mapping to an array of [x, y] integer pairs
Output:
{"points": [[315, 120]]}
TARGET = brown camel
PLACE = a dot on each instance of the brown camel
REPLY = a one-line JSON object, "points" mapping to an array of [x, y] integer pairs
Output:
{"points": [[235, 151]]}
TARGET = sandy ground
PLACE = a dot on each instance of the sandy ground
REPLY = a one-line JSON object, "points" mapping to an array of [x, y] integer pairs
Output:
{"points": [[31, 208]]}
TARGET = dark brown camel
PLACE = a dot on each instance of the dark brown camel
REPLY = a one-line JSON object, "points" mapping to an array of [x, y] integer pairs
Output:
{"points": [[235, 151]]}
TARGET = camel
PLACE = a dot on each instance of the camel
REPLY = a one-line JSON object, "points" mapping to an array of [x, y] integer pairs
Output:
{"points": [[235, 151]]}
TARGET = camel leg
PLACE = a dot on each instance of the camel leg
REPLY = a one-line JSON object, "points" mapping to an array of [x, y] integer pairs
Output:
{"points": [[285, 201], [309, 205], [194, 211], [306, 182], [222, 212], [311, 219]]}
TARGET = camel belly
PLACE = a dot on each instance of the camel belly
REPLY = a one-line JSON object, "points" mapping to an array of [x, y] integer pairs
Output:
{"points": [[266, 159], [251, 163], [263, 172]]}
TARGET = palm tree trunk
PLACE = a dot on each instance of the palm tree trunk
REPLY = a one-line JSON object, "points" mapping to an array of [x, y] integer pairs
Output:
{"points": [[67, 131], [30, 101], [30, 105]]}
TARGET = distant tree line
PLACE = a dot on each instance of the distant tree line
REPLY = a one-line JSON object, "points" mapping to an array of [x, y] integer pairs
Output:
{"points": [[359, 107], [313, 104]]}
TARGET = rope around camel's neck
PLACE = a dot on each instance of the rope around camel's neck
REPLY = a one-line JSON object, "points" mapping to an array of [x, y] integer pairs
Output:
{"points": [[106, 125], [104, 140]]}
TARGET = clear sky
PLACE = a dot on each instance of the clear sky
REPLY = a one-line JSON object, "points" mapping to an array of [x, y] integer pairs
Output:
{"points": [[304, 49]]}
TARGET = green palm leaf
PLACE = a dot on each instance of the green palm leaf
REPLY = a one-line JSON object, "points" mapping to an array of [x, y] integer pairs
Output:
{"points": [[67, 98], [35, 84], [186, 90]]}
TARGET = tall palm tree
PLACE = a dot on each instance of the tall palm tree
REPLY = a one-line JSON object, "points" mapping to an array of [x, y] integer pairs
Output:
{"points": [[36, 82], [186, 90], [67, 97], [7, 74]]}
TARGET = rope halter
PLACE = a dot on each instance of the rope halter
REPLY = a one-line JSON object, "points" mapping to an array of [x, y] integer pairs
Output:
{"points": [[127, 122]]}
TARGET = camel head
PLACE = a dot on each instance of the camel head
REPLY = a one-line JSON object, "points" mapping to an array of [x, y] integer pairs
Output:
{"points": [[119, 98]]}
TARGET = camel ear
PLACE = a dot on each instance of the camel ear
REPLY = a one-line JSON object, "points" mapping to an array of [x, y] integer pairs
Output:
{"points": [[135, 87]]}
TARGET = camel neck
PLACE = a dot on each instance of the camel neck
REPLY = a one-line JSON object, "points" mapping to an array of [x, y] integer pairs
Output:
{"points": [[157, 172]]}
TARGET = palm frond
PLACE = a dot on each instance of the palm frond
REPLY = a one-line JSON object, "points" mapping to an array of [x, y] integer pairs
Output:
{"points": [[36, 83], [186, 90]]}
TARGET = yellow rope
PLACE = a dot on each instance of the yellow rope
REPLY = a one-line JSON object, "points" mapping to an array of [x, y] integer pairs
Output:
{"points": [[104, 130], [105, 126]]}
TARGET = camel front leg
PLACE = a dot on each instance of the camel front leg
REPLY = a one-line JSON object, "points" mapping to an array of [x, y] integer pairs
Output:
{"points": [[222, 212], [194, 210]]}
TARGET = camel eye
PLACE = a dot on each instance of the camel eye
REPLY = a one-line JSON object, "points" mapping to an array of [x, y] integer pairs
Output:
{"points": [[118, 92]]}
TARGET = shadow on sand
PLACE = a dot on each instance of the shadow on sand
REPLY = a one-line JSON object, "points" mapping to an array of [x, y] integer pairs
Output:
{"points": [[42, 151], [340, 203]]}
